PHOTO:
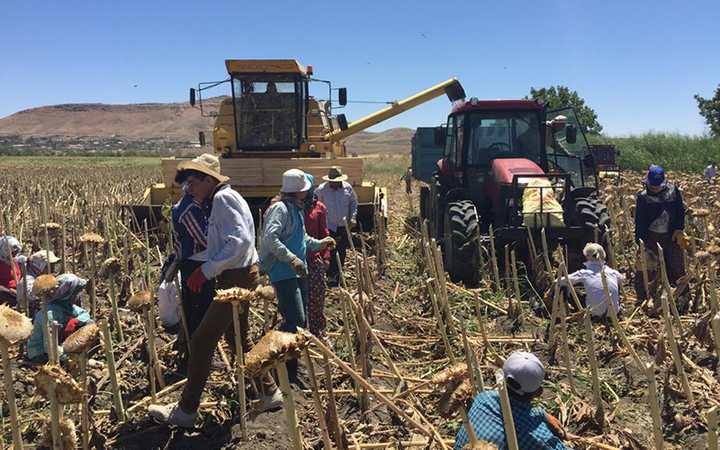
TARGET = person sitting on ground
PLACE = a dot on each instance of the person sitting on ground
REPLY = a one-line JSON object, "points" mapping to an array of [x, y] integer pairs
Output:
{"points": [[9, 270], [35, 266], [591, 278], [284, 250], [535, 429], [63, 309]]}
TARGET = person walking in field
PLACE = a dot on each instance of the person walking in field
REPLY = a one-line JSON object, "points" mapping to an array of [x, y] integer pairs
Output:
{"points": [[660, 219], [317, 261], [340, 200], [283, 253], [591, 278], [232, 262], [710, 172], [535, 428]]}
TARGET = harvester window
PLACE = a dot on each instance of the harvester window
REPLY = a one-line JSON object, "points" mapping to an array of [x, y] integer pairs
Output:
{"points": [[503, 135], [266, 112]]}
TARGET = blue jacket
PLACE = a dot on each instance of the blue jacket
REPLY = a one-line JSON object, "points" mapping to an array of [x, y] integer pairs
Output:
{"points": [[60, 311], [190, 222], [279, 227], [649, 207]]}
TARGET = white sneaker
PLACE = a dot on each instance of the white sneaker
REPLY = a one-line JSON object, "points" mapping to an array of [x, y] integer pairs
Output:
{"points": [[172, 414], [270, 402]]}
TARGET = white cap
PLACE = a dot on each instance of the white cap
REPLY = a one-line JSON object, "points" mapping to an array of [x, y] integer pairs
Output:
{"points": [[594, 252], [526, 370], [294, 181]]}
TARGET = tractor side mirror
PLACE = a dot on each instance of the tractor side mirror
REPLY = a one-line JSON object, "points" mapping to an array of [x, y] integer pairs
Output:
{"points": [[342, 96], [342, 121], [201, 138], [440, 136], [571, 134], [192, 96]]}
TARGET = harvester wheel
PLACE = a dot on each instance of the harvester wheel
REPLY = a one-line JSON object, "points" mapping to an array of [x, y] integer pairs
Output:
{"points": [[460, 242]]}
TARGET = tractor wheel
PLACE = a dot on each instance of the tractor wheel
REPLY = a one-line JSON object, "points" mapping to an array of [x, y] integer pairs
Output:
{"points": [[460, 242], [424, 199], [590, 212]]}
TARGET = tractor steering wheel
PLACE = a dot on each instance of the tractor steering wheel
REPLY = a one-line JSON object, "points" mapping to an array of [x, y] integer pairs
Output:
{"points": [[498, 145]]}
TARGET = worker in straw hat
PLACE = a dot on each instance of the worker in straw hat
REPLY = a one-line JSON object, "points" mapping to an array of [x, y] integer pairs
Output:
{"points": [[535, 429], [231, 262], [340, 200], [9, 269], [42, 261], [283, 253]]}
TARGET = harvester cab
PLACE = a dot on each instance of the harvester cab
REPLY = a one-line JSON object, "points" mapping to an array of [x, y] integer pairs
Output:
{"points": [[515, 167], [270, 123]]}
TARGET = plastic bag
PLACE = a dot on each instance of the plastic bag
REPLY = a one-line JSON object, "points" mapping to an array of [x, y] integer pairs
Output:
{"points": [[533, 202], [167, 304]]}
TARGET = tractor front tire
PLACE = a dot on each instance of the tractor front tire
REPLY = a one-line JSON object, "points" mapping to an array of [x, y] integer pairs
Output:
{"points": [[460, 242]]}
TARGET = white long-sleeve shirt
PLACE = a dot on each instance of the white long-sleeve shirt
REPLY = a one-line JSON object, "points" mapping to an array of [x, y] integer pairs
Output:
{"points": [[231, 234], [591, 278], [341, 204]]}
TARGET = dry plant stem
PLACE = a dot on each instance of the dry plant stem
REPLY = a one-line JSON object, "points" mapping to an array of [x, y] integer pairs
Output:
{"points": [[510, 434], [318, 403], [712, 287], [441, 325], [47, 337], [546, 257], [53, 357], [117, 324], [150, 317], [715, 322], [290, 414], [26, 301], [110, 360], [507, 271], [610, 248], [93, 287], [481, 258], [468, 427], [54, 417], [493, 258], [712, 423], [160, 394], [63, 243], [475, 375], [616, 323], [592, 356], [555, 311], [675, 351], [362, 381], [10, 395], [654, 406], [440, 268], [668, 289], [565, 347], [147, 255], [84, 406], [151, 367], [332, 406], [240, 371], [516, 286], [181, 311]]}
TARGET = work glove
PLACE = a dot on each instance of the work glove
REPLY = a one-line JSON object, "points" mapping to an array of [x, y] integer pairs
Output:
{"points": [[70, 327], [555, 425], [196, 280], [327, 243], [681, 239], [299, 267]]}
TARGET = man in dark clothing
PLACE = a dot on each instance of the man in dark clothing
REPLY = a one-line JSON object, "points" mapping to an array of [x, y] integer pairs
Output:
{"points": [[660, 219]]}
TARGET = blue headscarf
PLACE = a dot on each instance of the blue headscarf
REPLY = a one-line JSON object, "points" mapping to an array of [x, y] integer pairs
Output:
{"points": [[69, 285], [311, 198]]}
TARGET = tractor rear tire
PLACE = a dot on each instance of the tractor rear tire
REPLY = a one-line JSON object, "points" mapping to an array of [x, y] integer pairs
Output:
{"points": [[460, 242], [590, 212]]}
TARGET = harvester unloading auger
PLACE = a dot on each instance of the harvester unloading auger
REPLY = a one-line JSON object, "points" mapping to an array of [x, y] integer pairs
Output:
{"points": [[271, 123]]}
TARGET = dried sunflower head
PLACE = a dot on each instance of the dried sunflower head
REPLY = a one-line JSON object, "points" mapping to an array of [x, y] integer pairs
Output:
{"points": [[14, 327], [44, 286], [66, 389], [92, 238], [110, 266], [140, 300], [80, 340], [275, 347], [234, 295]]}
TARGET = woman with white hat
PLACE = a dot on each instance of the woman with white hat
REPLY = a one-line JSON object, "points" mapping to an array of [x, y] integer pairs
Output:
{"points": [[283, 252]]}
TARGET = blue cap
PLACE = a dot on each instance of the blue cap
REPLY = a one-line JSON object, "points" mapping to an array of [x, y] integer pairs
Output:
{"points": [[655, 176], [310, 178]]}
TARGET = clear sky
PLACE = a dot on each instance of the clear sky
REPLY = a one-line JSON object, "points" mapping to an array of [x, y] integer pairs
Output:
{"points": [[637, 63]]}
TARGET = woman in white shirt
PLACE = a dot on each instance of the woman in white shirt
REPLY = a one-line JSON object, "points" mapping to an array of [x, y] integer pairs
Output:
{"points": [[591, 278]]}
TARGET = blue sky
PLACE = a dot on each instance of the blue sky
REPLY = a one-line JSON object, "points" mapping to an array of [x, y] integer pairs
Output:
{"points": [[637, 63]]}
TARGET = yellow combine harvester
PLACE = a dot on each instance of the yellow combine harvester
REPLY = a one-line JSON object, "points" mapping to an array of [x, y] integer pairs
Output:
{"points": [[271, 123]]}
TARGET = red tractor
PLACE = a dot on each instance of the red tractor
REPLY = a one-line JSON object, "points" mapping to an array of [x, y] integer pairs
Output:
{"points": [[496, 151]]}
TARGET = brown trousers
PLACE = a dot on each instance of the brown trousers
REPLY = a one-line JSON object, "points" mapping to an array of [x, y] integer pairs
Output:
{"points": [[218, 321]]}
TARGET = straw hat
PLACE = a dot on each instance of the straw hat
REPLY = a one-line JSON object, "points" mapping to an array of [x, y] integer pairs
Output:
{"points": [[205, 163], [335, 175]]}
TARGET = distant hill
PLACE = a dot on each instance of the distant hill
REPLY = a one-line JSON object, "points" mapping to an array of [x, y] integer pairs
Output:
{"points": [[176, 122]]}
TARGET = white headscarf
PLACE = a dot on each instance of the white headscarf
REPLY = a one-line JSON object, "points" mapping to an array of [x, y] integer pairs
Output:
{"points": [[594, 252], [8, 244]]}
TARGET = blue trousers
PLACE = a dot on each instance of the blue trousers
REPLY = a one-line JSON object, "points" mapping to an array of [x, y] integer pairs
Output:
{"points": [[292, 298]]}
